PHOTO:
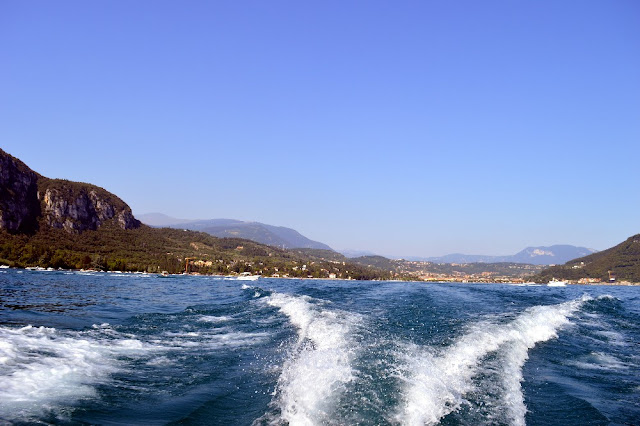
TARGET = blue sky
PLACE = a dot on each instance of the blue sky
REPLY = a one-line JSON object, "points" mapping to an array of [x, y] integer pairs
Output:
{"points": [[405, 128]]}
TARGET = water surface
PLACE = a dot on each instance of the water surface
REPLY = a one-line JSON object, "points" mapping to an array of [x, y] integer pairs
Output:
{"points": [[97, 348]]}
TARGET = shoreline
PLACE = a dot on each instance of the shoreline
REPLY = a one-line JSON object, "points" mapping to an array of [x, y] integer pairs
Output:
{"points": [[514, 283]]}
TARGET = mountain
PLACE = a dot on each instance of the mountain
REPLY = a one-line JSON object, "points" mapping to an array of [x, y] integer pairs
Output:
{"points": [[460, 258], [29, 200], [55, 223], [623, 260], [278, 236], [420, 270], [160, 220], [356, 253], [551, 255]]}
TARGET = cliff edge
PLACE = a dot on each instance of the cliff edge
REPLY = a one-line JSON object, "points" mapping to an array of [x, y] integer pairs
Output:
{"points": [[29, 201]]}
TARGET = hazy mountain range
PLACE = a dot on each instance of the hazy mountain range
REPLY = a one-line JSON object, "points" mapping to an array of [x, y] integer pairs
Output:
{"points": [[278, 236], [356, 253], [545, 255], [289, 238], [621, 263], [55, 223]]}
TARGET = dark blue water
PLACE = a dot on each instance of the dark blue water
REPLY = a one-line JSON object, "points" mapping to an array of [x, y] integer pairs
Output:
{"points": [[101, 348]]}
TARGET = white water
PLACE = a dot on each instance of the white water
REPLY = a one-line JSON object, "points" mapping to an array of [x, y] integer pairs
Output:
{"points": [[41, 368], [319, 367], [600, 361], [44, 369], [435, 383], [214, 319]]}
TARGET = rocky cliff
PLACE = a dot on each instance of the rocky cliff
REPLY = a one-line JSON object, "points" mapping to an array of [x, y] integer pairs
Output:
{"points": [[29, 200], [19, 206]]}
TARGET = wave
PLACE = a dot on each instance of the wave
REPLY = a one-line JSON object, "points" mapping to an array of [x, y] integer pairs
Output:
{"points": [[600, 361], [319, 368], [41, 368], [436, 384], [214, 319], [44, 371]]}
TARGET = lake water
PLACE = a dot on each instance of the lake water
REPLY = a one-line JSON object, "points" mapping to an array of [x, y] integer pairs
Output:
{"points": [[97, 348]]}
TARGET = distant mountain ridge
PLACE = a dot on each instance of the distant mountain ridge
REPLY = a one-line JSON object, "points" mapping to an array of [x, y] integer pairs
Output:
{"points": [[278, 236], [356, 253], [621, 261], [543, 255], [56, 223]]}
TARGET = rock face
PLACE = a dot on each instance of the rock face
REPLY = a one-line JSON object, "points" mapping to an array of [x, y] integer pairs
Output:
{"points": [[85, 209], [28, 200], [19, 206]]}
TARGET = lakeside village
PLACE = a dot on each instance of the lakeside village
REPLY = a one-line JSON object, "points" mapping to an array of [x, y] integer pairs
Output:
{"points": [[506, 273], [406, 271]]}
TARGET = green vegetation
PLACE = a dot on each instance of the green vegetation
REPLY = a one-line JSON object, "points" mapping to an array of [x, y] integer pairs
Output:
{"points": [[155, 250], [321, 254], [56, 223], [622, 260], [70, 191], [415, 270], [62, 224]]}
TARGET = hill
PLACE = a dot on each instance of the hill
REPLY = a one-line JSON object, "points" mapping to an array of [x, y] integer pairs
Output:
{"points": [[545, 255], [622, 260], [30, 201], [62, 224], [429, 271], [278, 236]]}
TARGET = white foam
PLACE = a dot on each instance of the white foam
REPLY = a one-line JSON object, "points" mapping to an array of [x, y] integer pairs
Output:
{"points": [[214, 319], [41, 368], [235, 339], [607, 297], [320, 364], [600, 361], [436, 382], [217, 339], [613, 337], [160, 361], [182, 334]]}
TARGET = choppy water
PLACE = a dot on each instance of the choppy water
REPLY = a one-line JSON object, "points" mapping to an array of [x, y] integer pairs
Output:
{"points": [[135, 349]]}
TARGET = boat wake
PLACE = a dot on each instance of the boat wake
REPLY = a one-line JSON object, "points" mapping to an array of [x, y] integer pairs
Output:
{"points": [[478, 377], [44, 372], [319, 366], [485, 363], [339, 367], [42, 368]]}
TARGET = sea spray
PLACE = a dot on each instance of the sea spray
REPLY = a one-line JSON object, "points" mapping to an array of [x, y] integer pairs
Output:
{"points": [[436, 383], [320, 363], [187, 351], [41, 368]]}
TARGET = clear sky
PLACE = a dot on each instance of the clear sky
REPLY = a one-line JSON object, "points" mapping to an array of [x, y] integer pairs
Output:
{"points": [[405, 128]]}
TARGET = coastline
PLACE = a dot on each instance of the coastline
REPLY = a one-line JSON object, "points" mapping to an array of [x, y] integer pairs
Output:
{"points": [[255, 277]]}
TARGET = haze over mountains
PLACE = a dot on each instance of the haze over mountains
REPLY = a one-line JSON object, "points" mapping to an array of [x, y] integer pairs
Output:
{"points": [[620, 262], [289, 238], [278, 236], [544, 255], [55, 223]]}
